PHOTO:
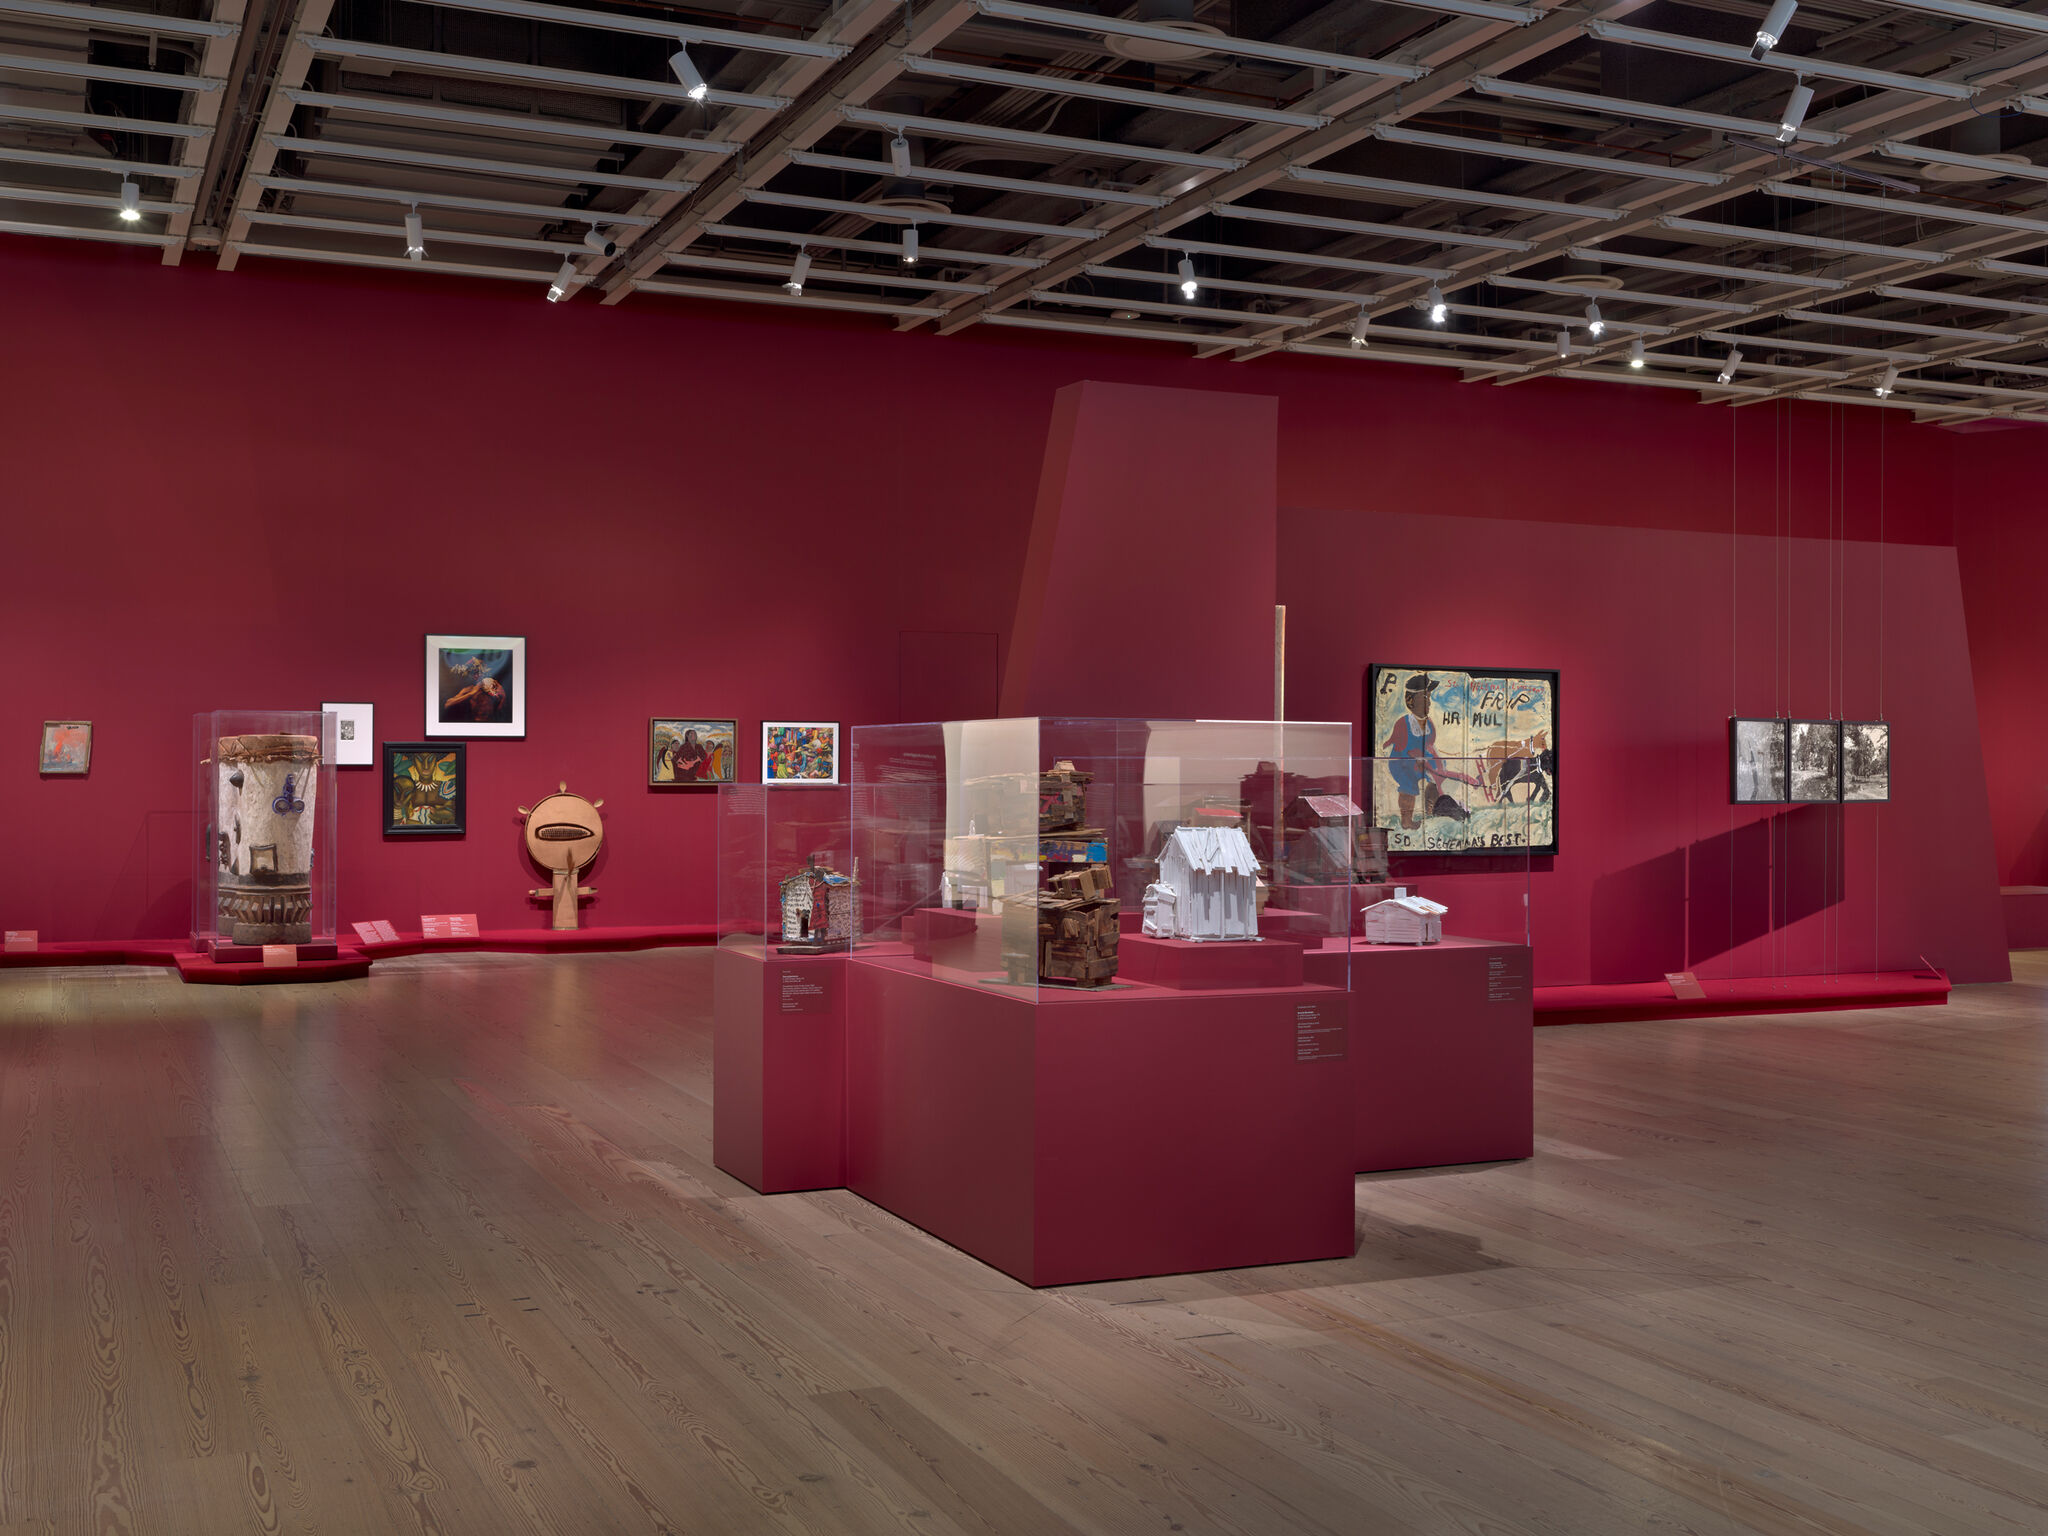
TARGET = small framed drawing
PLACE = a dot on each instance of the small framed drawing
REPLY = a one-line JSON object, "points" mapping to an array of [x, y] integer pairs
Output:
{"points": [[692, 751], [426, 788], [1756, 761], [799, 752], [1866, 760], [476, 685], [67, 747], [355, 734], [1816, 759]]}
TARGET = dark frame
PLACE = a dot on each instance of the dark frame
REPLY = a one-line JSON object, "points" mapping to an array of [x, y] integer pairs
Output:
{"points": [[387, 760], [1883, 799], [732, 775], [1783, 728], [1372, 676], [1791, 731]]}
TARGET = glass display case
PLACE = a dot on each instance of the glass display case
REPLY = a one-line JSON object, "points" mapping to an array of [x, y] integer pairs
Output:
{"points": [[1468, 825], [787, 879], [263, 801], [1049, 855]]}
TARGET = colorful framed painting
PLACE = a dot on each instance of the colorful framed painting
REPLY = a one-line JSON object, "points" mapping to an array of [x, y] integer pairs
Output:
{"points": [[1866, 760], [67, 747], [476, 685], [692, 751], [355, 734], [1464, 759], [1757, 762], [426, 788], [1816, 758], [796, 752]]}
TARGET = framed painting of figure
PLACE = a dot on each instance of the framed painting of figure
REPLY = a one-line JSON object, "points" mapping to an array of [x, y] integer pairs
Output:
{"points": [[1464, 760], [425, 788], [795, 752], [692, 751], [476, 685]]}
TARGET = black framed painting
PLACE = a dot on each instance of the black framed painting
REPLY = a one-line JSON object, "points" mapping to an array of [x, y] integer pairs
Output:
{"points": [[426, 788], [1866, 761], [1814, 757], [1464, 760], [1756, 761]]}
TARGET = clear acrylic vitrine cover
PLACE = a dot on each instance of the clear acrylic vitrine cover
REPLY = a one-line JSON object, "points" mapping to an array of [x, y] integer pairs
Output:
{"points": [[263, 801]]}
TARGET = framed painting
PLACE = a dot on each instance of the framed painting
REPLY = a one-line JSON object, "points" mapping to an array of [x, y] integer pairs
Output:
{"points": [[692, 751], [426, 788], [355, 734], [1816, 762], [1866, 760], [1757, 761], [67, 747], [1464, 760], [799, 752], [476, 685]]}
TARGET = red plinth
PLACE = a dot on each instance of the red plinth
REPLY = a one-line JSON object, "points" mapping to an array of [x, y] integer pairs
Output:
{"points": [[1186, 966], [778, 1065], [2026, 916], [1066, 1136]]}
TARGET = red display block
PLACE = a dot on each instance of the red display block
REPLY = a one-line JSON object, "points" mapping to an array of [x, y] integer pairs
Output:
{"points": [[1068, 1136], [1442, 1051], [778, 1068], [2026, 916], [261, 954], [1218, 965]]}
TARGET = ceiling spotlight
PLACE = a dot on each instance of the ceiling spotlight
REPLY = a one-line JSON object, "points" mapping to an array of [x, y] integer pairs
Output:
{"points": [[797, 270], [1795, 112], [899, 155], [1772, 32], [1358, 337], [565, 281], [1594, 324], [1635, 353], [910, 245], [686, 71], [1888, 383], [1433, 301], [415, 238], [600, 243], [131, 202], [1564, 343], [1727, 373], [1188, 286]]}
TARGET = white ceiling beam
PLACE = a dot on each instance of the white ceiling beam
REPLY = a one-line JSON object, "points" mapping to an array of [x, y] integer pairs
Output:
{"points": [[984, 133], [1984, 15], [14, 113], [511, 170], [1911, 210], [1603, 165], [1615, 106], [651, 26], [349, 191], [1296, 258], [1903, 327], [1959, 300], [1701, 268], [394, 229], [1235, 47], [882, 214], [1804, 67], [1898, 149], [749, 294], [1232, 285], [393, 263], [883, 169], [1366, 228], [422, 62], [1061, 85], [114, 19], [1151, 307], [879, 247], [60, 196], [1428, 192], [1745, 233], [780, 271], [504, 122], [80, 69], [1825, 348], [95, 165], [1619, 295]]}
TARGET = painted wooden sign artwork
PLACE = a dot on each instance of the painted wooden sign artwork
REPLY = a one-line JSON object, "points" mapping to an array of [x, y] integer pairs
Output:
{"points": [[1464, 761]]}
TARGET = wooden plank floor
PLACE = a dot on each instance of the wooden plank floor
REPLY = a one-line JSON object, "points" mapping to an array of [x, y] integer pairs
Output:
{"points": [[443, 1251]]}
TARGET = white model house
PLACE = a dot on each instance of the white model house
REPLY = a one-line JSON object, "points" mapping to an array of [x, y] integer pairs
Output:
{"points": [[1405, 919], [1207, 886]]}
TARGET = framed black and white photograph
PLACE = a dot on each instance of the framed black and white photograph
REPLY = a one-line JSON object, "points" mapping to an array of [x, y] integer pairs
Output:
{"points": [[1816, 758], [1756, 761], [355, 734], [1866, 760], [476, 685]]}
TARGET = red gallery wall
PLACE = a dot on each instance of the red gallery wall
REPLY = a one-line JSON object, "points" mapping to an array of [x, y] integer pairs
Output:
{"points": [[261, 489]]}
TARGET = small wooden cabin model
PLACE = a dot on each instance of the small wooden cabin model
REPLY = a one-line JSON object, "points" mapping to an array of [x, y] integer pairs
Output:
{"points": [[1210, 876], [1405, 919], [817, 909]]}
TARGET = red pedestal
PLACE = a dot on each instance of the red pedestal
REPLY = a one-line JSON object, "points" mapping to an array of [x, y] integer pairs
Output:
{"points": [[2026, 916], [1186, 966], [1067, 1136], [1442, 1051], [778, 1065]]}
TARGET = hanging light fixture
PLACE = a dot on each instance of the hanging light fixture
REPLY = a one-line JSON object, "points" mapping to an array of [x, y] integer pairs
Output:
{"points": [[1188, 286], [1594, 324], [599, 242], [1772, 32], [1358, 326], [688, 75], [798, 268], [899, 155], [1433, 302], [1888, 383], [565, 281], [415, 237], [910, 245], [1795, 112], [1635, 353], [1727, 373], [1564, 343], [131, 203]]}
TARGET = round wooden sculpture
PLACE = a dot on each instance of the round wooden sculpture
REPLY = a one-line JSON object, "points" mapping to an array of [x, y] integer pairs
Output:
{"points": [[563, 834]]}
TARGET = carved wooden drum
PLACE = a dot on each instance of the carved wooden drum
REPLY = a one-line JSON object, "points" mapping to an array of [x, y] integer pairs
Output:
{"points": [[264, 837]]}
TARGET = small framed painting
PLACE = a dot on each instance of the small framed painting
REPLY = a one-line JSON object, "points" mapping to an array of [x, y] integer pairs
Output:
{"points": [[476, 685], [1866, 760], [67, 747], [1756, 762], [425, 788], [692, 751], [1816, 759], [355, 734], [799, 752]]}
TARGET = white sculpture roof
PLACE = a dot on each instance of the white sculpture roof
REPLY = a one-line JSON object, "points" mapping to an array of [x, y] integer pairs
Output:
{"points": [[1214, 850], [1420, 905]]}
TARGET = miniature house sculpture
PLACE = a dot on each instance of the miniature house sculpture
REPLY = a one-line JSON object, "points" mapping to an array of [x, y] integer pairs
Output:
{"points": [[1210, 875], [817, 908], [1405, 919]]}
